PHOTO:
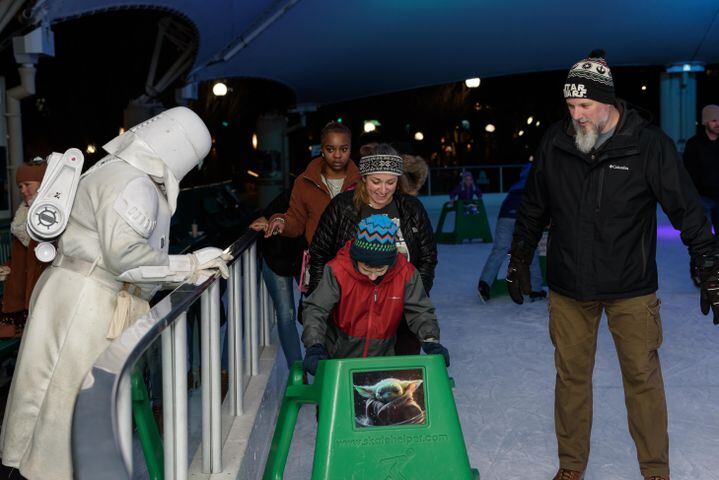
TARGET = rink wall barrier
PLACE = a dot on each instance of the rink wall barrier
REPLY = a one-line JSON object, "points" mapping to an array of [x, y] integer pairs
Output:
{"points": [[102, 434]]}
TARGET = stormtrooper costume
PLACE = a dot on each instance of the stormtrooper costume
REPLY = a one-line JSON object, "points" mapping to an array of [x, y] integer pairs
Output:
{"points": [[117, 235]]}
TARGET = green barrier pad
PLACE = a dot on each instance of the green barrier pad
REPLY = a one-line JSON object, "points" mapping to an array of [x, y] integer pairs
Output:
{"points": [[470, 222], [389, 418], [147, 430]]}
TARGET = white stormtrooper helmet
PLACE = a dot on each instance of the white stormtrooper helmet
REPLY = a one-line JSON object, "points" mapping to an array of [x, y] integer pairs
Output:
{"points": [[167, 147]]}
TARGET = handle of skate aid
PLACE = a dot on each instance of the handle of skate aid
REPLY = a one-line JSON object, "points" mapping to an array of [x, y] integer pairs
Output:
{"points": [[296, 394]]}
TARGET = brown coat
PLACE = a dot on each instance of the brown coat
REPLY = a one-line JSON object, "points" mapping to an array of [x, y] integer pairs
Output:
{"points": [[310, 197], [25, 270]]}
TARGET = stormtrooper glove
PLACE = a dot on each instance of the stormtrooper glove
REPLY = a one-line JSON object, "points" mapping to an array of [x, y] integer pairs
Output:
{"points": [[195, 268]]}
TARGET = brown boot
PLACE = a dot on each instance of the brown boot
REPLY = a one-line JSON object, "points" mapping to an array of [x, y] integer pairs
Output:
{"points": [[564, 474]]}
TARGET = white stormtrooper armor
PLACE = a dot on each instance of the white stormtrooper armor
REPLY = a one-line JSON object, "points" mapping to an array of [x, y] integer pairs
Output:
{"points": [[50, 211], [166, 147], [117, 232]]}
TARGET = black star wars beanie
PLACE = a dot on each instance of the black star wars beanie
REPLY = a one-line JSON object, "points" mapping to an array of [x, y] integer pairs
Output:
{"points": [[590, 78]]}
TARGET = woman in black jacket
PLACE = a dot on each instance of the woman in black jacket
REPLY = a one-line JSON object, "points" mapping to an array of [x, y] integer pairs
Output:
{"points": [[377, 193]]}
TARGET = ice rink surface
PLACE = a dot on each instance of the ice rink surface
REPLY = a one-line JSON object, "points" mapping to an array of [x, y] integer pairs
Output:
{"points": [[502, 363]]}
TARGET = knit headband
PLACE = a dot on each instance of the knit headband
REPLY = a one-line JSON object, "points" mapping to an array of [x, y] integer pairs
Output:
{"points": [[391, 164]]}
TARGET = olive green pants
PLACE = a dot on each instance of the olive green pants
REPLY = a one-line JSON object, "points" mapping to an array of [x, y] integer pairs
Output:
{"points": [[637, 331]]}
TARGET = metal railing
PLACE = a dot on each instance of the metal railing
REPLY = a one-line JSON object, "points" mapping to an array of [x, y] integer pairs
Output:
{"points": [[102, 423], [489, 178]]}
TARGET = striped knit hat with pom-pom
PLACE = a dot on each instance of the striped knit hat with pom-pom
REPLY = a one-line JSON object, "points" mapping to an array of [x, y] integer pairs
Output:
{"points": [[591, 78], [375, 244]]}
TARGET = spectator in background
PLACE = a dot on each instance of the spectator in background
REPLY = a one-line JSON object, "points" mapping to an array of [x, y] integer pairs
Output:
{"points": [[503, 240], [701, 158], [414, 176], [281, 261], [466, 190], [23, 269]]}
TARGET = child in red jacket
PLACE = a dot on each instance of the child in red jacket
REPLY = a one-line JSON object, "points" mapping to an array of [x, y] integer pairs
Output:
{"points": [[364, 292]]}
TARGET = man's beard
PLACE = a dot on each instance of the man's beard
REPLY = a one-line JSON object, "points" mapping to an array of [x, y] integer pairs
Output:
{"points": [[585, 139]]}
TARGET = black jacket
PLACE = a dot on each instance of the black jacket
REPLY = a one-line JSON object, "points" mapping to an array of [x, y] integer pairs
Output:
{"points": [[701, 157], [339, 224], [601, 208]]}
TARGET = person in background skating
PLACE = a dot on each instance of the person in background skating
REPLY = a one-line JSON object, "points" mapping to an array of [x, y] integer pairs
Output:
{"points": [[503, 240], [701, 157], [466, 190]]}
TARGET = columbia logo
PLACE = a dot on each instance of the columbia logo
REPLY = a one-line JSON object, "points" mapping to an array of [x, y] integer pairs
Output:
{"points": [[618, 167]]}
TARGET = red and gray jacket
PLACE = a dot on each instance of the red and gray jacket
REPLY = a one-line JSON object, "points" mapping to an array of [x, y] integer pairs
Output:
{"points": [[354, 317]]}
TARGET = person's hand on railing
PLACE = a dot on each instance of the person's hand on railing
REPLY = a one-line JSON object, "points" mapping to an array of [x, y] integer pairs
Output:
{"points": [[259, 224], [276, 225], [4, 272]]}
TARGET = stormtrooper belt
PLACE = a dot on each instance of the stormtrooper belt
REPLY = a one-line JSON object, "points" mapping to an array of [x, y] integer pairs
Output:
{"points": [[88, 269]]}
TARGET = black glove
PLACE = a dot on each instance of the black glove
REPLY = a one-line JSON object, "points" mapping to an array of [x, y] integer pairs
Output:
{"points": [[436, 348], [705, 269], [313, 355], [518, 284]]}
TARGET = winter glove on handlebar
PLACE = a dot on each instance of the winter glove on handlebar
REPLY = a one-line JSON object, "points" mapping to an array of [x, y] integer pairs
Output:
{"points": [[518, 284], [436, 348], [313, 355], [705, 269]]}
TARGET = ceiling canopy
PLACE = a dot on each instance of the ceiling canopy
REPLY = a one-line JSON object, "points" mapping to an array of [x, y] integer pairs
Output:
{"points": [[327, 51]]}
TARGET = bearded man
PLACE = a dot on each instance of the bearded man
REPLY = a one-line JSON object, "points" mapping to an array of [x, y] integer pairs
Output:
{"points": [[596, 180]]}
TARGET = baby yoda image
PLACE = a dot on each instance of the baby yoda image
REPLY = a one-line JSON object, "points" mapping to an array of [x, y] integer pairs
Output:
{"points": [[390, 402]]}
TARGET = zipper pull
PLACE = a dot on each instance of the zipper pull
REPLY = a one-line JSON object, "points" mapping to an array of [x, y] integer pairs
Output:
{"points": [[375, 295]]}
